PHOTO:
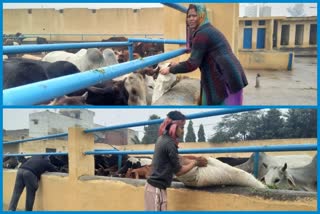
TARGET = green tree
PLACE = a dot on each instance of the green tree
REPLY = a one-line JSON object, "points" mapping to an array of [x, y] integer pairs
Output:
{"points": [[136, 140], [190, 136], [201, 134], [301, 123], [151, 131], [235, 127], [272, 125]]}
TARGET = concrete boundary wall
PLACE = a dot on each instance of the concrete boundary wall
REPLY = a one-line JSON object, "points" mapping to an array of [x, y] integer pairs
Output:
{"points": [[81, 191], [58, 191], [266, 60]]}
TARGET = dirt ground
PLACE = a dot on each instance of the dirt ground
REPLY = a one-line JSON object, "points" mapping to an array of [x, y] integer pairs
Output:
{"points": [[296, 87]]}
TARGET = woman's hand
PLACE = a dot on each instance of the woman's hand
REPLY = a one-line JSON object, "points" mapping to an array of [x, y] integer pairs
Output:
{"points": [[165, 71]]}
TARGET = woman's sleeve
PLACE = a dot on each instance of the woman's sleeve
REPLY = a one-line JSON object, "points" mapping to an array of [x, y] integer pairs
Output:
{"points": [[199, 48]]}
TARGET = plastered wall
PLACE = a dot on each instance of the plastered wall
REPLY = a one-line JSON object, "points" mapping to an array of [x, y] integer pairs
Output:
{"points": [[264, 60], [66, 194]]}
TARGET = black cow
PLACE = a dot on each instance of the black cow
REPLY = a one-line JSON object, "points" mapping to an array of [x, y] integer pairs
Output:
{"points": [[17, 71], [232, 161], [111, 93], [41, 40], [61, 162]]}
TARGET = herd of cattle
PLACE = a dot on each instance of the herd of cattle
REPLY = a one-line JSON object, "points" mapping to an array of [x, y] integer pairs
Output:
{"points": [[295, 172], [143, 87]]}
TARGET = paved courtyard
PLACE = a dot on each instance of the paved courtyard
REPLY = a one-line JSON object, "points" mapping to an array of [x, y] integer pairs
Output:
{"points": [[296, 87]]}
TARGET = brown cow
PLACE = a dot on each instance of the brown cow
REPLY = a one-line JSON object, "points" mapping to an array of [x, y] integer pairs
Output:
{"points": [[143, 172]]}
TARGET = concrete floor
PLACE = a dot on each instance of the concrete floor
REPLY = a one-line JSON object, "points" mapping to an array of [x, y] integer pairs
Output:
{"points": [[296, 87]]}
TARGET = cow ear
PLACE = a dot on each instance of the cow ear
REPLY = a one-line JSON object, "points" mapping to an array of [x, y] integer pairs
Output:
{"points": [[85, 95], [284, 167], [263, 180], [291, 181], [54, 102], [265, 165]]}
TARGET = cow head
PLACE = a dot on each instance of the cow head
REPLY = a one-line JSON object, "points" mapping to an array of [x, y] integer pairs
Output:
{"points": [[278, 177]]}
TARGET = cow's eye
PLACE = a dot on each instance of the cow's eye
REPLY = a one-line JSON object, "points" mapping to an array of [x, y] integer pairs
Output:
{"points": [[277, 180]]}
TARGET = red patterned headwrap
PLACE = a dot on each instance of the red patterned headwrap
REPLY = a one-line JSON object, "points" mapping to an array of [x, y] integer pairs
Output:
{"points": [[173, 127]]}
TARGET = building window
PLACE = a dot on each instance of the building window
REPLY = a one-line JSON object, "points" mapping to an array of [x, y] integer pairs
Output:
{"points": [[61, 10], [285, 31], [313, 34], [298, 40], [29, 11], [247, 23], [94, 11], [35, 121], [51, 150], [262, 22]]}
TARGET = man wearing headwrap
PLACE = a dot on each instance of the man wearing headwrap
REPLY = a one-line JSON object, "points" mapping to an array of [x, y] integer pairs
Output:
{"points": [[222, 76], [165, 162]]}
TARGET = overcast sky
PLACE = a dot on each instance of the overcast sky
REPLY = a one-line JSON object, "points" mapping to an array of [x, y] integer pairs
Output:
{"points": [[278, 9], [18, 118]]}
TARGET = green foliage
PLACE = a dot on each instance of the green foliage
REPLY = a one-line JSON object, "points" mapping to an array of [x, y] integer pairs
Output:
{"points": [[190, 136], [201, 134], [271, 124], [136, 140], [151, 131], [301, 123]]}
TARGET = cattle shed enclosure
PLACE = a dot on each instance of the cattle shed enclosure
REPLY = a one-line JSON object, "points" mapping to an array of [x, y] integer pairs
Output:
{"points": [[81, 190]]}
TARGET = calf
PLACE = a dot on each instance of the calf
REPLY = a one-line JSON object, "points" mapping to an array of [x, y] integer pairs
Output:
{"points": [[66, 100]]}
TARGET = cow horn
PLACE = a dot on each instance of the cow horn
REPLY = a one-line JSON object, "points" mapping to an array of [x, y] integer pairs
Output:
{"points": [[53, 102], [284, 167]]}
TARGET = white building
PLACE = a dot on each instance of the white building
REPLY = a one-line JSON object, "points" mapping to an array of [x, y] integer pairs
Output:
{"points": [[264, 11], [251, 11], [48, 123]]}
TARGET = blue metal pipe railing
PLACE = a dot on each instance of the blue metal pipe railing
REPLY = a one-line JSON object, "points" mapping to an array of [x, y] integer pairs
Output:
{"points": [[53, 47], [82, 35], [143, 123], [176, 6], [46, 90], [35, 154], [36, 138], [270, 148], [255, 149], [163, 41], [157, 121]]}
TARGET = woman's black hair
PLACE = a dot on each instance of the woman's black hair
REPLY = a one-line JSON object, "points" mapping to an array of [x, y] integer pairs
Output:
{"points": [[175, 115], [191, 6]]}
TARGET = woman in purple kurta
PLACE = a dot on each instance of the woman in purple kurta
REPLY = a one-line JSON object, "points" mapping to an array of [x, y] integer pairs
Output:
{"points": [[222, 76]]}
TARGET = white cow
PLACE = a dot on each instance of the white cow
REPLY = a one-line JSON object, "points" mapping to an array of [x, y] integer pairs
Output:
{"points": [[185, 91], [297, 178], [218, 173], [84, 59], [294, 160], [137, 90]]}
